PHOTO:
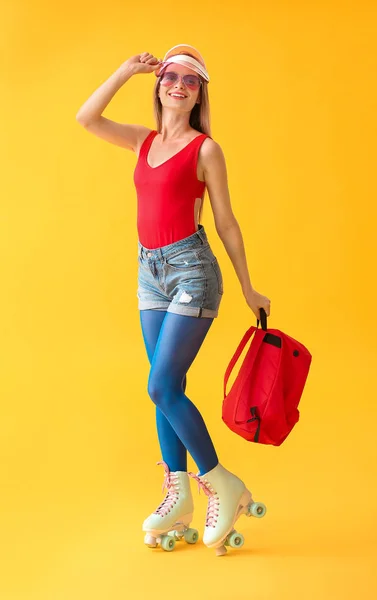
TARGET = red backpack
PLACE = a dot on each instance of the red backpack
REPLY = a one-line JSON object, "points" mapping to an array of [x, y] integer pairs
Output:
{"points": [[262, 403]]}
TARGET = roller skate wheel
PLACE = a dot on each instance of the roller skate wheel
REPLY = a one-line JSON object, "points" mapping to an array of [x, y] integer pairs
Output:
{"points": [[167, 543], [236, 540], [257, 509], [191, 536], [226, 541], [221, 551], [150, 541]]}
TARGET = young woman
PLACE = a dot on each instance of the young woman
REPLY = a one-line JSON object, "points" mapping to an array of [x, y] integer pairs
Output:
{"points": [[180, 283]]}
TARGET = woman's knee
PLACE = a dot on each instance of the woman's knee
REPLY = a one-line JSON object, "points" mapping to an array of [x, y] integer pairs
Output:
{"points": [[162, 391], [154, 389]]}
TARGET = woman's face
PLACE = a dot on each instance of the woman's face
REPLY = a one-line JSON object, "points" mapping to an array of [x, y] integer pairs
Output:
{"points": [[190, 96]]}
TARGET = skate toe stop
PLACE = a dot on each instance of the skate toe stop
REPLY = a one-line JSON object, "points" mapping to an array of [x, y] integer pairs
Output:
{"points": [[150, 541]]}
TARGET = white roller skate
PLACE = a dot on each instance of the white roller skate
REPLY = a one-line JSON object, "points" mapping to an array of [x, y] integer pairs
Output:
{"points": [[171, 520], [228, 499]]}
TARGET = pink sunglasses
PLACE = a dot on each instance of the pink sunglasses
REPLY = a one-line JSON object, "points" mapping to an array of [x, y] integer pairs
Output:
{"points": [[192, 82]]}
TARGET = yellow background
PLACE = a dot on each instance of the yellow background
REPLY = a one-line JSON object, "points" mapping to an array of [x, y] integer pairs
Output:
{"points": [[293, 104]]}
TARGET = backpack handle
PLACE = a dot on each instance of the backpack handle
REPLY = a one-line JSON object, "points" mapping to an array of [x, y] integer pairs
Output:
{"points": [[243, 343], [263, 319]]}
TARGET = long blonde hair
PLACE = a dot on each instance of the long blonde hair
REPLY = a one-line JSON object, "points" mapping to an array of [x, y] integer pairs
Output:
{"points": [[199, 117]]}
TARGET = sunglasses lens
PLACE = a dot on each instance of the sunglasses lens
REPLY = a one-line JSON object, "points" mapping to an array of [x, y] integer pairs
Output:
{"points": [[169, 78], [191, 81]]}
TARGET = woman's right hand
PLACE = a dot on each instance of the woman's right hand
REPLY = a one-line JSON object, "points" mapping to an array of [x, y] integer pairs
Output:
{"points": [[257, 301], [142, 63]]}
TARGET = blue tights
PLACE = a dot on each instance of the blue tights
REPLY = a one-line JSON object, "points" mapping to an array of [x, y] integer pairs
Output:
{"points": [[172, 342]]}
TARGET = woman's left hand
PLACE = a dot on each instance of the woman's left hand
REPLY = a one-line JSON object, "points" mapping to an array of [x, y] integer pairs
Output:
{"points": [[257, 301]]}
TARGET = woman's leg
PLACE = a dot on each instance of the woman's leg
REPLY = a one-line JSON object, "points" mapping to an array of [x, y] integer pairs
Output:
{"points": [[179, 341], [173, 452]]}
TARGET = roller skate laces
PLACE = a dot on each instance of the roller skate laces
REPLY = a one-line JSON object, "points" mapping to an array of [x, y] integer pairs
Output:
{"points": [[171, 483], [213, 500]]}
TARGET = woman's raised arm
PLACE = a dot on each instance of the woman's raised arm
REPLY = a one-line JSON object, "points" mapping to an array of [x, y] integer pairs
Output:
{"points": [[128, 136]]}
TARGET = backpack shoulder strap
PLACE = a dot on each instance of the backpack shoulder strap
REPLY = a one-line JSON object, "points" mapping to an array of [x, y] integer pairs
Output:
{"points": [[238, 352]]}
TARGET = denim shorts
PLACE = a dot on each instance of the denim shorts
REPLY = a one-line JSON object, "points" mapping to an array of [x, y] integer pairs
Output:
{"points": [[183, 277]]}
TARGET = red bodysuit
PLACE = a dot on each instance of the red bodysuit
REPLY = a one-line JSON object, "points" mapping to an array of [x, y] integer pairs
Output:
{"points": [[166, 194]]}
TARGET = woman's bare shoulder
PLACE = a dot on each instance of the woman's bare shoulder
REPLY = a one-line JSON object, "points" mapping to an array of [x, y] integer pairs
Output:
{"points": [[141, 133], [211, 152]]}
